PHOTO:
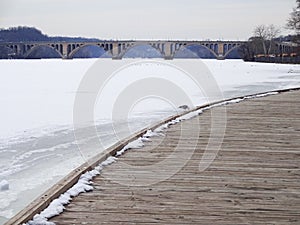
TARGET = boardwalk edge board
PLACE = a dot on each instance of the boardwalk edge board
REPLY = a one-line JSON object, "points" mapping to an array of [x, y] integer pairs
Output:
{"points": [[71, 179]]}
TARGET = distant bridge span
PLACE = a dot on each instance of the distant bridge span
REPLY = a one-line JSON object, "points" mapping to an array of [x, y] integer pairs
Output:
{"points": [[117, 49]]}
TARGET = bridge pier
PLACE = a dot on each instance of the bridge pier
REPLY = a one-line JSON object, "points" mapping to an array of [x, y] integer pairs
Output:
{"points": [[168, 54], [65, 53], [115, 52], [221, 51]]}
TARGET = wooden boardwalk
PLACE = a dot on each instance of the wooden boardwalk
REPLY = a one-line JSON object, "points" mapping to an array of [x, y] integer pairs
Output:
{"points": [[255, 178]]}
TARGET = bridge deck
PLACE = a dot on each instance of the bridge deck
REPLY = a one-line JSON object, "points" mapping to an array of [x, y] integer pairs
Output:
{"points": [[255, 178]]}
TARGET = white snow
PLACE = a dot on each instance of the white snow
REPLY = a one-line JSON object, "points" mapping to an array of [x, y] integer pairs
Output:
{"points": [[266, 94], [4, 185], [150, 133], [37, 96], [132, 145]]}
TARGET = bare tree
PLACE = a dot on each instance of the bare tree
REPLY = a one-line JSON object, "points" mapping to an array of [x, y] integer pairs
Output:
{"points": [[272, 33], [293, 22], [261, 32], [266, 34]]}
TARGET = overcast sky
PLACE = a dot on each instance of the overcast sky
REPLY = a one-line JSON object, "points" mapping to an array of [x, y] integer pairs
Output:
{"points": [[146, 19]]}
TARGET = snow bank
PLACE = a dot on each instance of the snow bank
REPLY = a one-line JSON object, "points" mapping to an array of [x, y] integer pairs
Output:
{"points": [[132, 145]]}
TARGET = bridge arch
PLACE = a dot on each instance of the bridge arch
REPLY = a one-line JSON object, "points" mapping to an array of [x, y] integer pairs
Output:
{"points": [[126, 47], [7, 50], [230, 48], [105, 47], [207, 46], [36, 47], [283, 48]]}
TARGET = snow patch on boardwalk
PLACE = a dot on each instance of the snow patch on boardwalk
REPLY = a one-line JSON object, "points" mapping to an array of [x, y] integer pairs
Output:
{"points": [[84, 184]]}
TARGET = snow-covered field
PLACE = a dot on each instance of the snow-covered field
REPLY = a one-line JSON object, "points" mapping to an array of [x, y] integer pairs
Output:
{"points": [[37, 142]]}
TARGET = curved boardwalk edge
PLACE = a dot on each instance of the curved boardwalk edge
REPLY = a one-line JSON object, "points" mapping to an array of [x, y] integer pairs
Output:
{"points": [[66, 183]]}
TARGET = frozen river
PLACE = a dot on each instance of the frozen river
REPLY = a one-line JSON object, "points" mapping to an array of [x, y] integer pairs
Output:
{"points": [[38, 113]]}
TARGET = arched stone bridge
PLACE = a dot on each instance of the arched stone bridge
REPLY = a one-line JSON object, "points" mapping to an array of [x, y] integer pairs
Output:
{"points": [[117, 49]]}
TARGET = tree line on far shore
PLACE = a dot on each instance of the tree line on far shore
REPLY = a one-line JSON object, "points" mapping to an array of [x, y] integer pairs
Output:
{"points": [[27, 34], [267, 46]]}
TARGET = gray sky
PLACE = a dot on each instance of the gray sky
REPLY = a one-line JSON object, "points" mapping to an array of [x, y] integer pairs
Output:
{"points": [[147, 19]]}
